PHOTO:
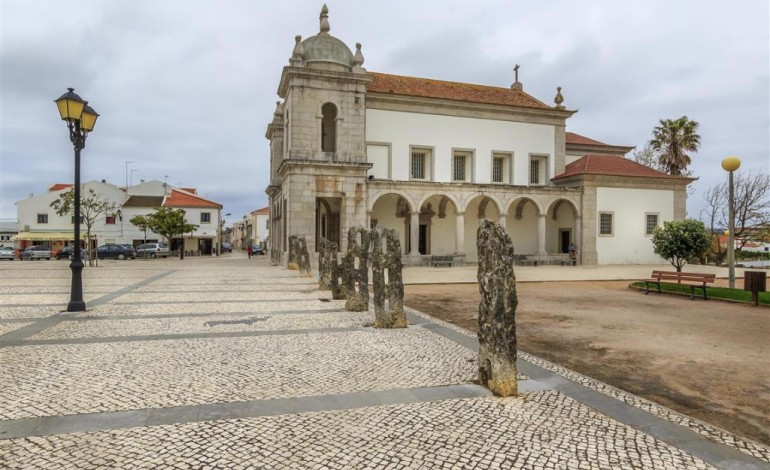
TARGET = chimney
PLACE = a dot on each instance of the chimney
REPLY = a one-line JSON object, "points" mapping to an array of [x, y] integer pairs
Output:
{"points": [[31, 195], [104, 181], [141, 181]]}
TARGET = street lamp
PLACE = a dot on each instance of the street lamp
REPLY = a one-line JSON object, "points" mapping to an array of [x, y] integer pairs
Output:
{"points": [[81, 119], [181, 236], [731, 164]]}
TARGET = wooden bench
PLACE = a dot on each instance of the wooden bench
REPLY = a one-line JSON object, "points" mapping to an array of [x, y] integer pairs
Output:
{"points": [[693, 280], [441, 261]]}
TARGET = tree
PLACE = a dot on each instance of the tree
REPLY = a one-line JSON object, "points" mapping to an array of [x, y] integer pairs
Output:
{"points": [[646, 156], [751, 192], [92, 207], [142, 223], [168, 222], [680, 241], [671, 140]]}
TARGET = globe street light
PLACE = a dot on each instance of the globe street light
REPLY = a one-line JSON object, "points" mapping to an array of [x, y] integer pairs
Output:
{"points": [[81, 119], [731, 164]]}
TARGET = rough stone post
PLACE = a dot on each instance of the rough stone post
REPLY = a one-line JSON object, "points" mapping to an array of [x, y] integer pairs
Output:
{"points": [[497, 310], [357, 279], [292, 257], [303, 258], [390, 259], [339, 291], [324, 264]]}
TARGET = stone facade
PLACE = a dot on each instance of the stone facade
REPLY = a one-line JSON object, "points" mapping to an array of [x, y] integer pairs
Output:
{"points": [[497, 311]]}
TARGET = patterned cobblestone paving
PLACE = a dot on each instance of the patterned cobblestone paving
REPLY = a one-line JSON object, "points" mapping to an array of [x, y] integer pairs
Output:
{"points": [[88, 378], [6, 328], [545, 430], [29, 311], [204, 324], [115, 308]]}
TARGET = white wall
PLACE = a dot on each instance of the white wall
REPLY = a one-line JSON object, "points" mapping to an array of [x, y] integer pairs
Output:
{"points": [[629, 244], [443, 133], [262, 229]]}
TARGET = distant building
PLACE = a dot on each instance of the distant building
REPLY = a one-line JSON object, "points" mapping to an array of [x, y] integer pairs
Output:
{"points": [[8, 230], [41, 225], [430, 159], [260, 220]]}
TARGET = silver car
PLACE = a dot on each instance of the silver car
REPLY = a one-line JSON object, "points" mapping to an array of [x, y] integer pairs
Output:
{"points": [[153, 250], [6, 252], [36, 252]]}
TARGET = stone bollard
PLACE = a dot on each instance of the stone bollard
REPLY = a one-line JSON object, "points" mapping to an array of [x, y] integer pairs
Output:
{"points": [[497, 311], [303, 258], [339, 291], [357, 279], [324, 264], [390, 260], [292, 257]]}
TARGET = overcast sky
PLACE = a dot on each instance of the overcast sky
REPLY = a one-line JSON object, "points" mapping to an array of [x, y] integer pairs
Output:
{"points": [[186, 88]]}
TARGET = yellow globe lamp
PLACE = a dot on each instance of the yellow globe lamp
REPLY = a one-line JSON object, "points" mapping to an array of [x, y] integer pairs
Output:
{"points": [[731, 164]]}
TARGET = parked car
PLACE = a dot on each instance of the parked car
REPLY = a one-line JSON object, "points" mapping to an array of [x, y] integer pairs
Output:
{"points": [[153, 250], [64, 253], [227, 248], [114, 251], [257, 250], [36, 252], [6, 252]]}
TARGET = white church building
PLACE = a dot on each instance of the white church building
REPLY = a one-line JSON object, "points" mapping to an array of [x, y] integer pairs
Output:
{"points": [[431, 158]]}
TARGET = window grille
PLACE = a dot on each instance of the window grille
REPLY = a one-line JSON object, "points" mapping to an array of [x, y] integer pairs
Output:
{"points": [[605, 224], [651, 223], [459, 168], [534, 171], [418, 166], [205, 217], [497, 170], [42, 218]]}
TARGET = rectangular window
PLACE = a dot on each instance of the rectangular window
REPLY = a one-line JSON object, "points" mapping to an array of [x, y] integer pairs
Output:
{"points": [[501, 167], [205, 217], [418, 166], [497, 170], [109, 220], [538, 166], [534, 172], [458, 173], [651, 221], [605, 224], [42, 218], [72, 220]]}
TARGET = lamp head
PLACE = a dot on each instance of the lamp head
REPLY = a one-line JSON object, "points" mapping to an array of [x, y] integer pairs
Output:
{"points": [[70, 105], [731, 163]]}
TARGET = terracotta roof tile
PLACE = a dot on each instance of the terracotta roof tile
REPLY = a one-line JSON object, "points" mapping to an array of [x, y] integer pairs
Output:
{"points": [[59, 186], [179, 198], [264, 210], [427, 88], [578, 139], [190, 190], [610, 165]]}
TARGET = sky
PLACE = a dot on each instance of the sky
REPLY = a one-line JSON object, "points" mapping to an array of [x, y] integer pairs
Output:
{"points": [[186, 88]]}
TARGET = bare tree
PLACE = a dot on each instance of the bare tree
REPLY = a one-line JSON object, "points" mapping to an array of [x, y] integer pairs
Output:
{"points": [[752, 210], [648, 157]]}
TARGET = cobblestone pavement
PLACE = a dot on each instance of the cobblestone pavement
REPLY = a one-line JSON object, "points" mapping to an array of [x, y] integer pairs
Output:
{"points": [[189, 364]]}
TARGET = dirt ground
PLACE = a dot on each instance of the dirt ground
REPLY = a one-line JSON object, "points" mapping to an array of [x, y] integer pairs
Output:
{"points": [[706, 359]]}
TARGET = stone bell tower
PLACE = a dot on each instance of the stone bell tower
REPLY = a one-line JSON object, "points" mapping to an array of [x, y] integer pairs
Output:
{"points": [[317, 143]]}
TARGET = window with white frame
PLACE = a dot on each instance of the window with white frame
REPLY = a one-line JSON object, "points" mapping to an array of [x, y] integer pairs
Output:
{"points": [[501, 167], [42, 218], [420, 164], [650, 222], [606, 227], [109, 220], [205, 217], [461, 165], [538, 169]]}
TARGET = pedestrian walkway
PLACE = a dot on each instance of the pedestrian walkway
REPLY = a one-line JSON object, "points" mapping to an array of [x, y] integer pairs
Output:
{"points": [[234, 363]]}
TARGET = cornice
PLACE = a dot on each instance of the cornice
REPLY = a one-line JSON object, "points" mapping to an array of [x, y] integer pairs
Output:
{"points": [[290, 73]]}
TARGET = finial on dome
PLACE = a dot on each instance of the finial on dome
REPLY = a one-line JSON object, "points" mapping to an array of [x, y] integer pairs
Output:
{"points": [[559, 99], [296, 54], [324, 20], [517, 84], [278, 111], [358, 59]]}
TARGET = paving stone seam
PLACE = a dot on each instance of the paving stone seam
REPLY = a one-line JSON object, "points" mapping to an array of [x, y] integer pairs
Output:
{"points": [[213, 302], [119, 339], [105, 421], [203, 315], [713, 433]]}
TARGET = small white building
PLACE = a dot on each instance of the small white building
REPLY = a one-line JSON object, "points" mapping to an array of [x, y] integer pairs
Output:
{"points": [[260, 223]]}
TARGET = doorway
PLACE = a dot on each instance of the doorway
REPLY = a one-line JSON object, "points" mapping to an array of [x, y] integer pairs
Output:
{"points": [[565, 236]]}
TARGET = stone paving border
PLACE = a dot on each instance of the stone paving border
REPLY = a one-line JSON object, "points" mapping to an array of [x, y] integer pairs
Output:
{"points": [[713, 433]]}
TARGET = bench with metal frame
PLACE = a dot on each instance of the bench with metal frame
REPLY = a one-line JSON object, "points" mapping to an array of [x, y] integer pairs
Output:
{"points": [[442, 261], [692, 280]]}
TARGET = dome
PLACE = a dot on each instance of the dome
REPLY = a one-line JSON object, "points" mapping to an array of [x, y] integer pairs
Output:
{"points": [[324, 47]]}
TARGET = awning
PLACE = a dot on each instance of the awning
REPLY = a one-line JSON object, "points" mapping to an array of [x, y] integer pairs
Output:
{"points": [[65, 236]]}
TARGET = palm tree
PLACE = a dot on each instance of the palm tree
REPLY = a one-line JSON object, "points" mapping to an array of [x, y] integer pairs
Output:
{"points": [[671, 139]]}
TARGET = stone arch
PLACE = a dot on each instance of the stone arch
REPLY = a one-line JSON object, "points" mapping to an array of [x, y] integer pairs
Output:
{"points": [[449, 196], [487, 198], [391, 210], [373, 198], [561, 227], [555, 205]]}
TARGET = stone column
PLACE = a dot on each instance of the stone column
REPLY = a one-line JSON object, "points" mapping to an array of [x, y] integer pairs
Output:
{"points": [[502, 222], [460, 233], [541, 234], [578, 233], [414, 233]]}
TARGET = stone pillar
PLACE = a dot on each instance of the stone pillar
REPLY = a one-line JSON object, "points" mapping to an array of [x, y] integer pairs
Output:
{"points": [[393, 316], [497, 311], [337, 273], [414, 233], [541, 234], [357, 279], [292, 255], [502, 222], [325, 264], [460, 233], [578, 230], [303, 258]]}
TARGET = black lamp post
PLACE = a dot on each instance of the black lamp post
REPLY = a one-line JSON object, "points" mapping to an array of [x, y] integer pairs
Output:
{"points": [[81, 119], [181, 236]]}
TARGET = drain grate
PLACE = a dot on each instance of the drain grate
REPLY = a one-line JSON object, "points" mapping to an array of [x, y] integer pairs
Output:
{"points": [[248, 321]]}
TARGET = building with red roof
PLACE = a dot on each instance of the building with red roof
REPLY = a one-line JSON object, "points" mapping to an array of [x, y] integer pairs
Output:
{"points": [[429, 158]]}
